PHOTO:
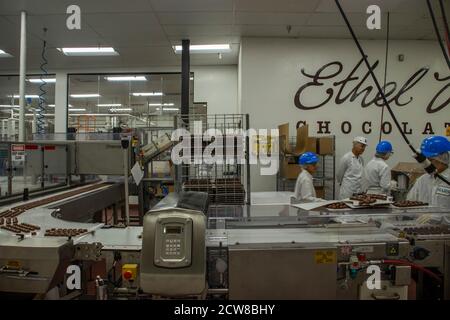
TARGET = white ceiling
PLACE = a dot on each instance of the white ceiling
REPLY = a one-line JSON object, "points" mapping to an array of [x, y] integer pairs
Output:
{"points": [[143, 31]]}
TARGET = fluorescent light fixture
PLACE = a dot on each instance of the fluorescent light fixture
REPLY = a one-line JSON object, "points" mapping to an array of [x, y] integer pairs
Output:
{"points": [[4, 54], [85, 95], [8, 106], [161, 104], [147, 94], [77, 109], [126, 78], [31, 96], [120, 109], [109, 105], [52, 106], [93, 51], [205, 48], [168, 109], [49, 80], [191, 78]]}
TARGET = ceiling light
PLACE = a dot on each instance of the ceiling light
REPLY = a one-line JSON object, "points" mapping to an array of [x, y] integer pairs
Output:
{"points": [[49, 80], [4, 54], [126, 78], [94, 51], [168, 109], [8, 106], [52, 106], [146, 94], [120, 109], [109, 105], [191, 78], [160, 104], [31, 96], [205, 48], [85, 95], [77, 109]]}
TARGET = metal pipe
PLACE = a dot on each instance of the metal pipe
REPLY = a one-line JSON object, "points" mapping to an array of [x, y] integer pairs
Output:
{"points": [[185, 75], [127, 206], [23, 68]]}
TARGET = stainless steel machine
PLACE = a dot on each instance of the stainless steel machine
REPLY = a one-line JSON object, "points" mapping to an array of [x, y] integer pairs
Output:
{"points": [[173, 246]]}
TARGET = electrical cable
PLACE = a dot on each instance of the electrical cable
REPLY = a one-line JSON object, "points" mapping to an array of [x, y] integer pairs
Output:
{"points": [[429, 168], [385, 75], [40, 119], [447, 32], [438, 34], [413, 266]]}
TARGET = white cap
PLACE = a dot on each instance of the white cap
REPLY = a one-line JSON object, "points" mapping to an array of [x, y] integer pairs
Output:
{"points": [[362, 140]]}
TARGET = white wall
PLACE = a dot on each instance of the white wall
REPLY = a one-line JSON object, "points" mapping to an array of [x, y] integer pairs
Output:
{"points": [[218, 86], [270, 77]]}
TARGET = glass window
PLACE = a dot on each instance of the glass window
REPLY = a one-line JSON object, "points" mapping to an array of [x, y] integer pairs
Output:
{"points": [[40, 100], [107, 102]]}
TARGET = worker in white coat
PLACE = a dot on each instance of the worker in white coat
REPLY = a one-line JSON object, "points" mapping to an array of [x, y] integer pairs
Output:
{"points": [[421, 190], [304, 187], [436, 149], [350, 171], [377, 172]]}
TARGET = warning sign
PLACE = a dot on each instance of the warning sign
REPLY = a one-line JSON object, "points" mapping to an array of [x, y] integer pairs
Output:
{"points": [[325, 256], [18, 147]]}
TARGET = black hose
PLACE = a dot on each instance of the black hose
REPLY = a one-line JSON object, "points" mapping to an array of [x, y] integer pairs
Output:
{"points": [[40, 120], [385, 75], [444, 17], [436, 29]]}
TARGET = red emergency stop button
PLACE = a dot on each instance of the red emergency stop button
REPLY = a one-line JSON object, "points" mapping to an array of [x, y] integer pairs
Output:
{"points": [[128, 275]]}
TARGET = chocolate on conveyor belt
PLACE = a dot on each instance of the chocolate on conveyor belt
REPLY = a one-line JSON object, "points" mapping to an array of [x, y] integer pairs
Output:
{"points": [[16, 211], [427, 230], [21, 228], [338, 205], [64, 232], [409, 203]]}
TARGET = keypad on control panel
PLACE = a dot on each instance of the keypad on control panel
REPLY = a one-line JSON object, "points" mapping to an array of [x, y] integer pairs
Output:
{"points": [[173, 247]]}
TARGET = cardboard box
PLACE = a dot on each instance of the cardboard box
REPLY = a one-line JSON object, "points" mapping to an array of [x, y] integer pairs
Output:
{"points": [[289, 170], [325, 146], [301, 141], [412, 170], [320, 192], [311, 144]]}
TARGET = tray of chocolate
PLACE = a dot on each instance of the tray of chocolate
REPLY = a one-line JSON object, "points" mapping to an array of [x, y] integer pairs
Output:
{"points": [[64, 232], [409, 204], [368, 200], [337, 206]]}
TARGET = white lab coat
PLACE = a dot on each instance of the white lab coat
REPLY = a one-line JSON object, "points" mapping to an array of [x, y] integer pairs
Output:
{"points": [[377, 176], [304, 188], [349, 175], [440, 192], [421, 190]]}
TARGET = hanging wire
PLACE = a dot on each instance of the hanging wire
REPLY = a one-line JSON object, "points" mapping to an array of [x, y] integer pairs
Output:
{"points": [[436, 29], [40, 112], [385, 75]]}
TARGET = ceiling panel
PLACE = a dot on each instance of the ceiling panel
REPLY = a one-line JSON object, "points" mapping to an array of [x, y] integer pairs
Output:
{"points": [[197, 30], [265, 31], [198, 18], [277, 6], [58, 35], [359, 5], [260, 18], [192, 5], [128, 29], [46, 7]]}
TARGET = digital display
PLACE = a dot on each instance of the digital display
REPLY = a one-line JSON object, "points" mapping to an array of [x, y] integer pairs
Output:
{"points": [[173, 230]]}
